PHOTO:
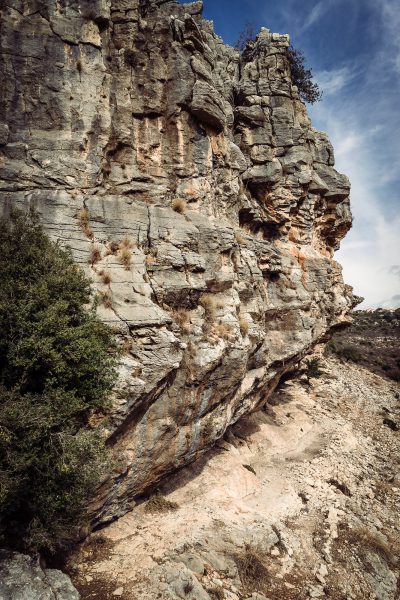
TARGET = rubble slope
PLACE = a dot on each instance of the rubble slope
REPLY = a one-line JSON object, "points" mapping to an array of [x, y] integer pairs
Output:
{"points": [[298, 501]]}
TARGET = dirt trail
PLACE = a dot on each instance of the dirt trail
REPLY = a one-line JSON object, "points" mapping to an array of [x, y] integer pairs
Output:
{"points": [[300, 500]]}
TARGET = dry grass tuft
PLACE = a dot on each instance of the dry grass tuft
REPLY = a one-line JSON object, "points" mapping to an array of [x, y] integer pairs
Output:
{"points": [[125, 257], [365, 538], [182, 317], [207, 301], [241, 240], [151, 259], [216, 593], [223, 331], [159, 504], [126, 346], [244, 326], [383, 489], [88, 232], [106, 299], [126, 242], [95, 255], [83, 219], [105, 276], [125, 252], [252, 570], [112, 248], [179, 205]]}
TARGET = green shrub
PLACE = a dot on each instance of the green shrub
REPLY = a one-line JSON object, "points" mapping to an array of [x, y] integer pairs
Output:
{"points": [[56, 367], [331, 347], [349, 353], [313, 369]]}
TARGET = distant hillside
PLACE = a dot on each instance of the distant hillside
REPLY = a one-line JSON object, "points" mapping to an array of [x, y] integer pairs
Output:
{"points": [[372, 341]]}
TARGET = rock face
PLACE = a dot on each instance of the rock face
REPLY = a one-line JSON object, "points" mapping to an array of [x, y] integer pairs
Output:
{"points": [[190, 185], [22, 578]]}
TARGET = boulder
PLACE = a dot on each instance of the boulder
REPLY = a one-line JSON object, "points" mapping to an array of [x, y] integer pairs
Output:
{"points": [[22, 578]]}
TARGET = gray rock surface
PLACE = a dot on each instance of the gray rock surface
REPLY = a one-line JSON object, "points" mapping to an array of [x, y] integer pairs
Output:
{"points": [[22, 578], [214, 203]]}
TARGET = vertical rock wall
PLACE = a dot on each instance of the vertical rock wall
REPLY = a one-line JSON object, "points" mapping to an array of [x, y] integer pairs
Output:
{"points": [[191, 186]]}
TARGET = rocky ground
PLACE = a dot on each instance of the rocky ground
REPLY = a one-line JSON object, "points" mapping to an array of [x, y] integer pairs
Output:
{"points": [[300, 500]]}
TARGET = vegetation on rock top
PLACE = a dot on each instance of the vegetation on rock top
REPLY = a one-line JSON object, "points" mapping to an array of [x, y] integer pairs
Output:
{"points": [[302, 77], [57, 366], [309, 91]]}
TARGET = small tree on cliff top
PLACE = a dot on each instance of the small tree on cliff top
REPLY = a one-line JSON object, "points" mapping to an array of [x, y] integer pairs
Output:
{"points": [[247, 35], [302, 77], [55, 369]]}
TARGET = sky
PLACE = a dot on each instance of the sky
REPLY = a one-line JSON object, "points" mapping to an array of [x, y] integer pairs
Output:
{"points": [[353, 48]]}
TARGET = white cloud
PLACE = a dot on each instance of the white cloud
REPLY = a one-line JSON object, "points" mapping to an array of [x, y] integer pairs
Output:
{"points": [[332, 82], [366, 266], [316, 13], [295, 19]]}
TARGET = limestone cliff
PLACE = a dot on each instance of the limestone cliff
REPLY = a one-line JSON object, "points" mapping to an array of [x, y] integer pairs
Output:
{"points": [[191, 186]]}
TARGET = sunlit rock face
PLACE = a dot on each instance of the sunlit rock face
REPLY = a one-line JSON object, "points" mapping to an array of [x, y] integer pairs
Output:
{"points": [[192, 188]]}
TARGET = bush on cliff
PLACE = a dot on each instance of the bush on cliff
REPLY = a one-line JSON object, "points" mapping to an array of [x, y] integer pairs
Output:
{"points": [[313, 370], [248, 34], [302, 77], [56, 368]]}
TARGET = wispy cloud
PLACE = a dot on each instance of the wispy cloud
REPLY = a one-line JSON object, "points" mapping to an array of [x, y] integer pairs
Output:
{"points": [[316, 13], [332, 82], [296, 21], [390, 15], [395, 270]]}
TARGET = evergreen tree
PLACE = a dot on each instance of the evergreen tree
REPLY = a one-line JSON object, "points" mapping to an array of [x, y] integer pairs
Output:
{"points": [[57, 366]]}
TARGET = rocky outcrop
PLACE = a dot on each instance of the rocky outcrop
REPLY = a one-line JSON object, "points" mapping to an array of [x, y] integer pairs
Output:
{"points": [[22, 578], [191, 186]]}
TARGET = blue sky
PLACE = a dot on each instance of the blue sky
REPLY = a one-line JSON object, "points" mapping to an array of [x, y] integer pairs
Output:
{"points": [[353, 47]]}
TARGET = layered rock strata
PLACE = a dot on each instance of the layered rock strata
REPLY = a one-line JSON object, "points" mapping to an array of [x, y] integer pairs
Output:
{"points": [[191, 186]]}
